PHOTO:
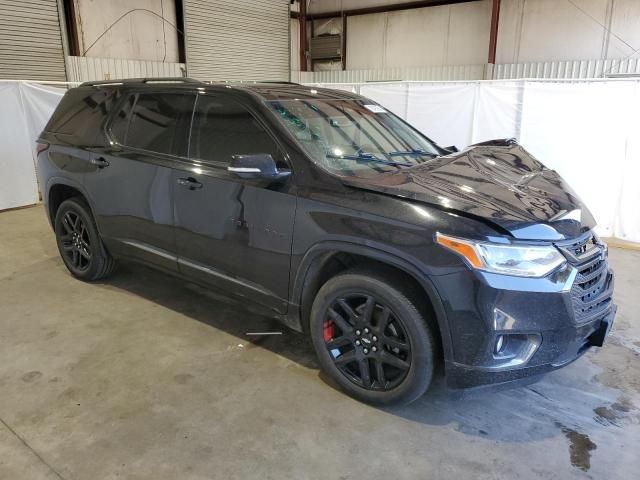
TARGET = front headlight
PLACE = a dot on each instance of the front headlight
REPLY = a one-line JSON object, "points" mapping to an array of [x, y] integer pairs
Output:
{"points": [[518, 260]]}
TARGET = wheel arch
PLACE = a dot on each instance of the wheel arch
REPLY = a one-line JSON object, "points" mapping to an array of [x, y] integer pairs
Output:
{"points": [[327, 259], [60, 189]]}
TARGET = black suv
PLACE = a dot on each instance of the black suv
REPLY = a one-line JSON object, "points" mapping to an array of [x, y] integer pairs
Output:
{"points": [[330, 213]]}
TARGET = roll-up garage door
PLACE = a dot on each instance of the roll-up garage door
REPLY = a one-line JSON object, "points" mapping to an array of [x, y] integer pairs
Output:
{"points": [[232, 40], [31, 40]]}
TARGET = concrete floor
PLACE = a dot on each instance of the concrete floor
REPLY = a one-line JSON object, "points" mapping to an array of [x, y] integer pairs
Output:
{"points": [[146, 377]]}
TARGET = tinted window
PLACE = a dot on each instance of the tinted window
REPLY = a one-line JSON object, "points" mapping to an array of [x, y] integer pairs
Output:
{"points": [[121, 120], [80, 114], [157, 122], [222, 127]]}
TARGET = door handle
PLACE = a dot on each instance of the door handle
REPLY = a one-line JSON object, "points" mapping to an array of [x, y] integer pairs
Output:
{"points": [[190, 183], [99, 162]]}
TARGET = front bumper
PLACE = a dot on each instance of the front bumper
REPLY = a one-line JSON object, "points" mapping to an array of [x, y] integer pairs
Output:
{"points": [[546, 323], [570, 344]]}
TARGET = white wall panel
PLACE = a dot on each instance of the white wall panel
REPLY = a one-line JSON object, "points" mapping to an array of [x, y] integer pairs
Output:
{"points": [[507, 99], [627, 225], [320, 6], [545, 30], [18, 184], [548, 28], [443, 111], [577, 129], [25, 110], [366, 41], [625, 23], [395, 97], [468, 38], [130, 29], [443, 35], [416, 37]]}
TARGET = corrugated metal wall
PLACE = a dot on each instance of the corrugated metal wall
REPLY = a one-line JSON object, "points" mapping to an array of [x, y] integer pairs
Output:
{"points": [[568, 69], [84, 69], [446, 72], [31, 40], [573, 69], [231, 40]]}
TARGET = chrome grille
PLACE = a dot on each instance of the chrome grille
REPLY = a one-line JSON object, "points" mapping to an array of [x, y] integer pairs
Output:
{"points": [[592, 289]]}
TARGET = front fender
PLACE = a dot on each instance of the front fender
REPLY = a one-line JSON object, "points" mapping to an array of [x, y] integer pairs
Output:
{"points": [[317, 255]]}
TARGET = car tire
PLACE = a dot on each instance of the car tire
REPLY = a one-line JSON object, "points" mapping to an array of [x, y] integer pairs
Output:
{"points": [[79, 242], [384, 353]]}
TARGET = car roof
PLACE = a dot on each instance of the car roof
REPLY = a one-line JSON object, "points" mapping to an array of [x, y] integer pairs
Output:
{"points": [[263, 90], [293, 91]]}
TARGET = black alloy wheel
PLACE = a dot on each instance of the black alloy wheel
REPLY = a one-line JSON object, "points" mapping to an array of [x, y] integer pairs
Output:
{"points": [[79, 242], [371, 339], [75, 243], [367, 341]]}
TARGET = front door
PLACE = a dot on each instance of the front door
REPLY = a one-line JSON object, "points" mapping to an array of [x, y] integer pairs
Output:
{"points": [[232, 233]]}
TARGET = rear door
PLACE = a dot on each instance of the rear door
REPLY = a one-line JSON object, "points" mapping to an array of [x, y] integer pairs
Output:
{"points": [[131, 179], [233, 233]]}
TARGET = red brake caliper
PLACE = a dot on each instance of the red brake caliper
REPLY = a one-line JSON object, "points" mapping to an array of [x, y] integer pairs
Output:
{"points": [[328, 330]]}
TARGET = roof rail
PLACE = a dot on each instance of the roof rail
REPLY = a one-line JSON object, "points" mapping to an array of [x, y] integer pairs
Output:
{"points": [[278, 81], [249, 82], [97, 83]]}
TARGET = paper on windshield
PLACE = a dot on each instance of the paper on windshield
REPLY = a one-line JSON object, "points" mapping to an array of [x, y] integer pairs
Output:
{"points": [[375, 108]]}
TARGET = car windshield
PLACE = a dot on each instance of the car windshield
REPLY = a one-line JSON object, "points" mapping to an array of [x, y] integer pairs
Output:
{"points": [[354, 137]]}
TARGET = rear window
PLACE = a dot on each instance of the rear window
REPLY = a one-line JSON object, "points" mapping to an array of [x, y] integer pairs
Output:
{"points": [[156, 122], [80, 114]]}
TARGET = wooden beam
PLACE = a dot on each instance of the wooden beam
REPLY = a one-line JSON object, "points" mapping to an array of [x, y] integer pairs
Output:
{"points": [[72, 27], [302, 18], [493, 35], [343, 50], [380, 9]]}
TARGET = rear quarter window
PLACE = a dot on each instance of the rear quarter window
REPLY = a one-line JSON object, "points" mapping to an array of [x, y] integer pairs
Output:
{"points": [[80, 115]]}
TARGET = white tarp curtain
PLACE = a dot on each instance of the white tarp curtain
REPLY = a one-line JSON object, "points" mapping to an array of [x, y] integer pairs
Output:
{"points": [[25, 108], [589, 131]]}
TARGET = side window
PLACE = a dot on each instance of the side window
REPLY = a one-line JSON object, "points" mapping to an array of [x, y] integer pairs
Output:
{"points": [[157, 122], [223, 127], [120, 121], [80, 115]]}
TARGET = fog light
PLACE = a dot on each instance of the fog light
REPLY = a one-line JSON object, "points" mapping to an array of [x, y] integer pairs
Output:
{"points": [[513, 349]]}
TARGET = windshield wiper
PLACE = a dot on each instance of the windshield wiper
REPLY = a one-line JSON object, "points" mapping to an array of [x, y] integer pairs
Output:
{"points": [[368, 157], [416, 152]]}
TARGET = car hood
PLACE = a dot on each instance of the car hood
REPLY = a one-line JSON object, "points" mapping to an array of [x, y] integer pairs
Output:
{"points": [[497, 182]]}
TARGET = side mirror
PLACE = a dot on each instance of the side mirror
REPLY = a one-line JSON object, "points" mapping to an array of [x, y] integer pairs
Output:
{"points": [[452, 149], [259, 165]]}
